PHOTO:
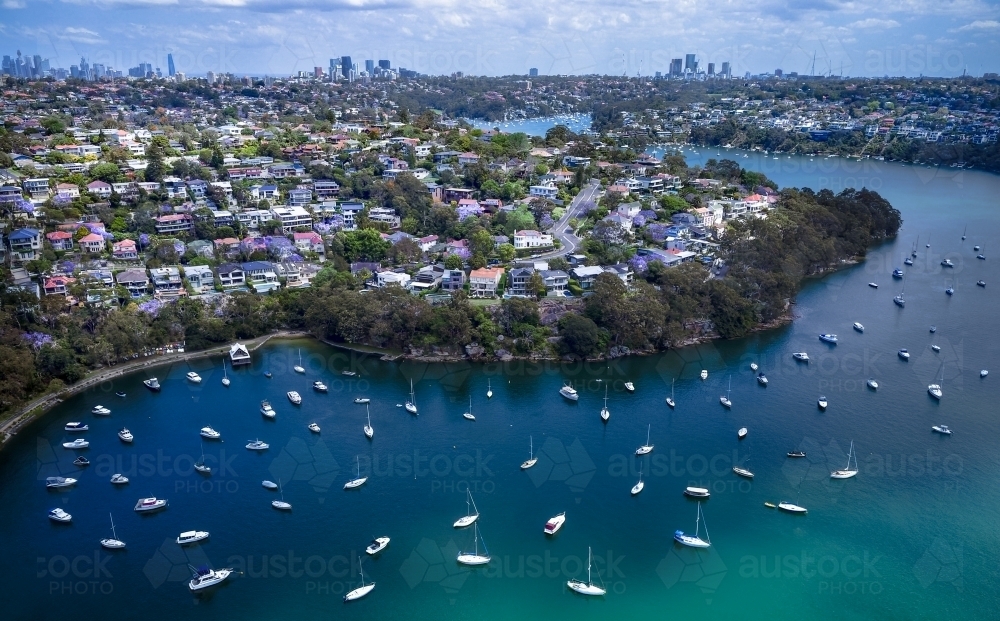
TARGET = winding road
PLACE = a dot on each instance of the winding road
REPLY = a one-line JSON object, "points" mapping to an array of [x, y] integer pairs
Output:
{"points": [[561, 231]]}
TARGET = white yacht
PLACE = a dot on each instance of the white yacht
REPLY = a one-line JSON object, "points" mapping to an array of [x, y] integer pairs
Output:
{"points": [[79, 443], [741, 433], [266, 409], [724, 399], [411, 404], [629, 386], [532, 460], [362, 590], [191, 536], [647, 447], [801, 356], [150, 504], [152, 384], [100, 410], [468, 414], [113, 542], [369, 431], [319, 386], [605, 412], [257, 445], [119, 479], [848, 471], [697, 492], [294, 397], [471, 512], [57, 482], [904, 354], [670, 399], [126, 435], [555, 523], [569, 392], [588, 587], [753, 366], [225, 375], [362, 400], [76, 427], [828, 338], [281, 505], [762, 379], [790, 507], [205, 578], [859, 327], [208, 432], [984, 373], [299, 368], [743, 472], [58, 515], [638, 486], [269, 484], [377, 545], [942, 429], [475, 558], [489, 389], [358, 482], [822, 402], [313, 427], [934, 390], [936, 347], [872, 383], [695, 540], [704, 374], [193, 377]]}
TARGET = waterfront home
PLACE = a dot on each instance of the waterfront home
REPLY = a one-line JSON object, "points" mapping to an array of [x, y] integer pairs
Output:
{"points": [[427, 278], [238, 354], [555, 281], [520, 277], [200, 277], [261, 274], [390, 279], [528, 239], [58, 285], [60, 240], [67, 191], [231, 275], [586, 274], [484, 282], [385, 216], [25, 244], [308, 241], [292, 217], [37, 188], [452, 280], [10, 194], [134, 281], [167, 281], [326, 189]]}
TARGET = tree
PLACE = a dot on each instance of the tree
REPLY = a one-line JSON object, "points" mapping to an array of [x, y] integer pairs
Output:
{"points": [[481, 243], [364, 244], [536, 285], [506, 252], [519, 220], [453, 262], [106, 172], [580, 335]]}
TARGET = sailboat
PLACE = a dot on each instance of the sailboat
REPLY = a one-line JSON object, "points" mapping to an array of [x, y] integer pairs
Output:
{"points": [[588, 587], [847, 472], [898, 300], [225, 376], [647, 447], [201, 466], [531, 455], [695, 540], [935, 389], [489, 390], [299, 368], [670, 399], [281, 504], [358, 482], [469, 517], [411, 405], [468, 414], [362, 590], [742, 471], [964, 231], [724, 400], [369, 432], [638, 486], [112, 543], [605, 412], [475, 558]]}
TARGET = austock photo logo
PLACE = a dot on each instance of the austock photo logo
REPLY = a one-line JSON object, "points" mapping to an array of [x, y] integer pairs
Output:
{"points": [[691, 568], [559, 463], [832, 574], [172, 562], [311, 463], [942, 563], [81, 575]]}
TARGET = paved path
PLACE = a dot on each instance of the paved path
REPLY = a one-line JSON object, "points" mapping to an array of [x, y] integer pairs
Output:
{"points": [[561, 230]]}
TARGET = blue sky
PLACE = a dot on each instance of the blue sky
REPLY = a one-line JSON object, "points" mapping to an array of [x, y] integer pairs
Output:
{"points": [[494, 37]]}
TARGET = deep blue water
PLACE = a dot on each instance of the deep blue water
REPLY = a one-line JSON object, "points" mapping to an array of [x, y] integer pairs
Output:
{"points": [[912, 536]]}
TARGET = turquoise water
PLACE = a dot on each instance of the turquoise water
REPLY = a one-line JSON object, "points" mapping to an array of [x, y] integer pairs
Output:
{"points": [[912, 536], [538, 126]]}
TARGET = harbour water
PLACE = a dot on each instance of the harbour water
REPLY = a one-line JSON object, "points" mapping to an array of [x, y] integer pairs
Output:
{"points": [[537, 126], [912, 536]]}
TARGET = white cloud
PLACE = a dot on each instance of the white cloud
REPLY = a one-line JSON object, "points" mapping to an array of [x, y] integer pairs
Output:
{"points": [[80, 35], [980, 25], [13, 4], [873, 23]]}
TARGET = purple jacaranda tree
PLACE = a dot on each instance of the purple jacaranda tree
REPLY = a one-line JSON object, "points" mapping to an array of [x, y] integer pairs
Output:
{"points": [[37, 340]]}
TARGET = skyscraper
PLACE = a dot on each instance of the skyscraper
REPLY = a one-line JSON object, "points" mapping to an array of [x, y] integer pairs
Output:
{"points": [[170, 65], [36, 69], [533, 72], [690, 64], [726, 70], [346, 66], [711, 68], [384, 64], [370, 67], [675, 66]]}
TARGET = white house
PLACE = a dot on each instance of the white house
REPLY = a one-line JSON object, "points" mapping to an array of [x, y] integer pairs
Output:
{"points": [[386, 279], [544, 191], [531, 239]]}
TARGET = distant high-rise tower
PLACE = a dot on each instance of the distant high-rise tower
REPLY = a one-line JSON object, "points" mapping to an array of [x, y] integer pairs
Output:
{"points": [[690, 64], [676, 68], [726, 70], [346, 66], [384, 64], [711, 68], [370, 66], [170, 65], [778, 73], [533, 72]]}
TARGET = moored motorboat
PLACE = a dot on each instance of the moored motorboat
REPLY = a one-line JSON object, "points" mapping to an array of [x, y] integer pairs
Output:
{"points": [[554, 523], [266, 409], [741, 433], [629, 386], [873, 285], [257, 445], [79, 443], [936, 347], [76, 427], [58, 515], [126, 436], [119, 479], [697, 492], [762, 379], [57, 482], [193, 377], [152, 384], [753, 366], [903, 354], [796, 454], [981, 283], [205, 578], [801, 356], [821, 402], [208, 432], [942, 429], [859, 327], [791, 507], [704, 374], [313, 427], [191, 536], [269, 484], [828, 338], [947, 263], [362, 400], [743, 472], [100, 410], [872, 383], [897, 273], [377, 545], [569, 392], [294, 397], [984, 373], [319, 386], [150, 504]]}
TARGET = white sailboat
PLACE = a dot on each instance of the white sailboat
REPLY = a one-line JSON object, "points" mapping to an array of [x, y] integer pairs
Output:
{"points": [[605, 412], [724, 400], [299, 368], [358, 482], [638, 486], [281, 504], [369, 432], [112, 543], [468, 414], [695, 540], [411, 405], [532, 460], [847, 472], [201, 466], [588, 587], [362, 590], [935, 389], [744, 470], [647, 447], [489, 390], [225, 376], [670, 399], [469, 517], [475, 558]]}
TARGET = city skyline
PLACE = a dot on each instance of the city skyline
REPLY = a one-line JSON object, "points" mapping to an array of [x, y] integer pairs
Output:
{"points": [[259, 37]]}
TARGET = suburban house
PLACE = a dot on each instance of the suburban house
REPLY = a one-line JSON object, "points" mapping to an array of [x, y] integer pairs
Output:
{"points": [[390, 279], [262, 275], [292, 217], [25, 244], [231, 275], [174, 223], [99, 189], [586, 274], [555, 281], [93, 243], [385, 216], [452, 280], [67, 190], [309, 242], [483, 282], [135, 281], [200, 277], [531, 239], [58, 285], [519, 279], [468, 159], [37, 189], [548, 190], [427, 278], [60, 240], [326, 189], [167, 281]]}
